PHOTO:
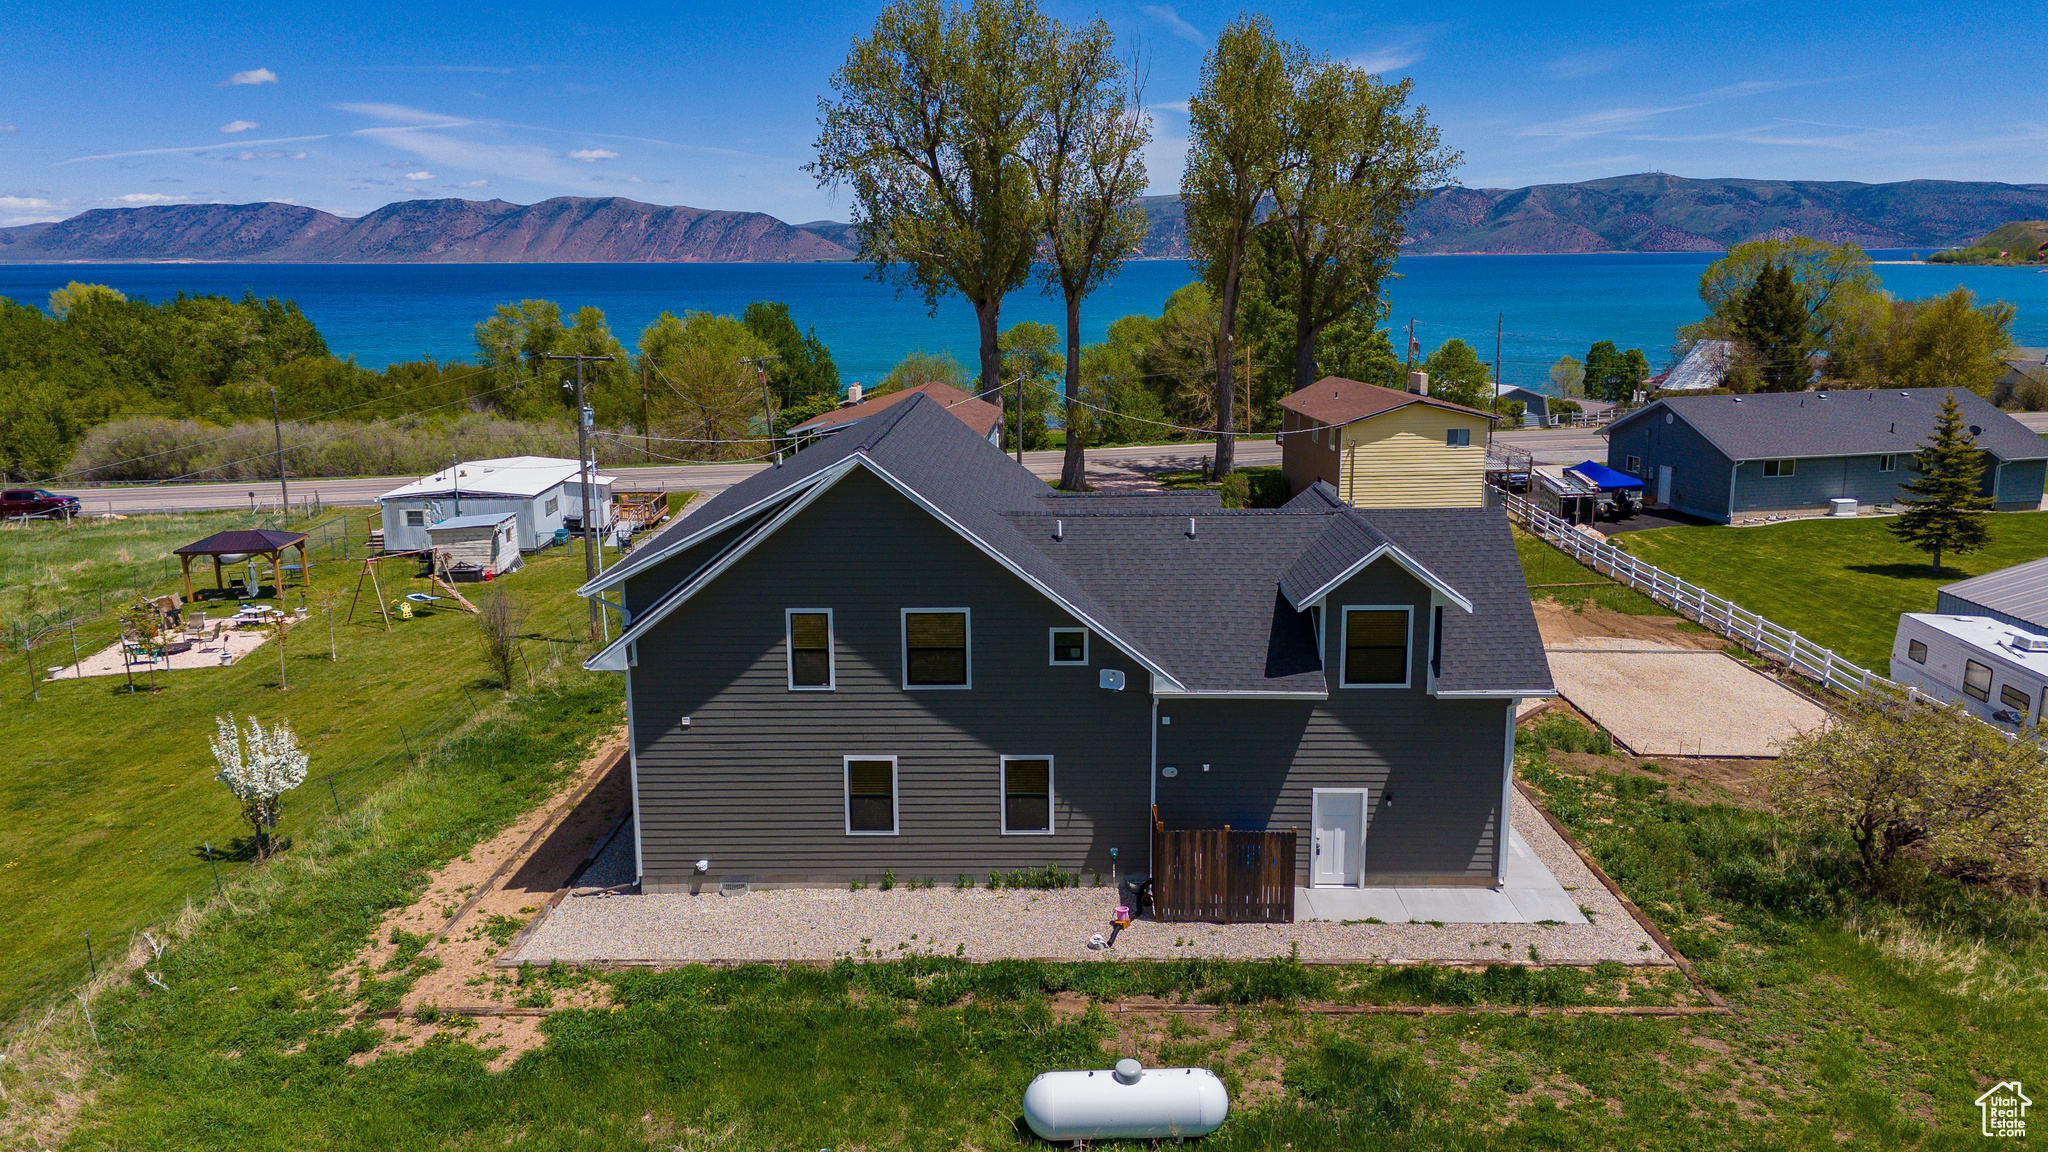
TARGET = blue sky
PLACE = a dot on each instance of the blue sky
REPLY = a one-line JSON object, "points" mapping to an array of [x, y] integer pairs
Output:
{"points": [[346, 107]]}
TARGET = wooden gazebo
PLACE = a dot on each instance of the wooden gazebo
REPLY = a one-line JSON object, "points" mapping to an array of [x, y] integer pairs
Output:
{"points": [[243, 542]]}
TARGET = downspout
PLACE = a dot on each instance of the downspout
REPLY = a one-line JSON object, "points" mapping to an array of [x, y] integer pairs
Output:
{"points": [[1507, 799], [633, 782], [1154, 784], [1734, 470]]}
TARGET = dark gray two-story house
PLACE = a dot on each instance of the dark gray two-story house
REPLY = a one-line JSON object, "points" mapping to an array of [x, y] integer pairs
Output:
{"points": [[899, 650], [1720, 457]]}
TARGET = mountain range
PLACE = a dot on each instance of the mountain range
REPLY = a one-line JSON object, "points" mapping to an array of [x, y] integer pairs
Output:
{"points": [[1649, 212]]}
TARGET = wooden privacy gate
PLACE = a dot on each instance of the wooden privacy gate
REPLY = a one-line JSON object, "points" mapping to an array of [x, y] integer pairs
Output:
{"points": [[1222, 876]]}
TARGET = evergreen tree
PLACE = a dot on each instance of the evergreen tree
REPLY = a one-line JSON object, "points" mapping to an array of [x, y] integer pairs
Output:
{"points": [[1944, 512], [1771, 320]]}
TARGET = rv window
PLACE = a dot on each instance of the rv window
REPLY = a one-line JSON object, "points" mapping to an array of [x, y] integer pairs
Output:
{"points": [[2016, 700], [1977, 680], [1916, 651]]}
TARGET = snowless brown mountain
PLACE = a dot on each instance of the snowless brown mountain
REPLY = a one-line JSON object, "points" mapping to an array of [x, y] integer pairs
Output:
{"points": [[565, 230], [1649, 212]]}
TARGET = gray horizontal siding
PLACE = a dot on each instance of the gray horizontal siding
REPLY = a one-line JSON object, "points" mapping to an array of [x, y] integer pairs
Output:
{"points": [[1699, 472], [754, 783]]}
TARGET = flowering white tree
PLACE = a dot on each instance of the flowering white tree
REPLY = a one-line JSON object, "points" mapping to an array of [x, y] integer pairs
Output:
{"points": [[259, 768]]}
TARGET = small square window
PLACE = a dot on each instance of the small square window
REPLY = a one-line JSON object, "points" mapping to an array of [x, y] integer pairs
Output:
{"points": [[871, 795], [1887, 463], [1977, 680], [2016, 700], [1027, 795], [1070, 645], [1457, 437], [1633, 466], [1916, 651], [1779, 468], [414, 518], [810, 649], [553, 505]]}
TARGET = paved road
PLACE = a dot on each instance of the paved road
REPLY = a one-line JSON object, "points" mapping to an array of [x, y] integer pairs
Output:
{"points": [[1108, 465], [1557, 445]]}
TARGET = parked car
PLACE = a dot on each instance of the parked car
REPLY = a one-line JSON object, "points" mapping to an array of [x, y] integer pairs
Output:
{"points": [[37, 502]]}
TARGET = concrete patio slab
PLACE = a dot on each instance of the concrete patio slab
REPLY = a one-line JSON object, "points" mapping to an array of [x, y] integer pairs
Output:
{"points": [[1352, 904]]}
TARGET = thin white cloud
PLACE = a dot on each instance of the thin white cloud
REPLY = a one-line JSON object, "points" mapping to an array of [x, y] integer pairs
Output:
{"points": [[23, 203], [1180, 106], [1388, 57], [402, 114], [1760, 87], [472, 184], [419, 175], [1587, 124], [152, 198], [9, 128], [252, 76], [592, 155], [246, 155], [239, 125], [1580, 65], [184, 150], [1165, 14]]}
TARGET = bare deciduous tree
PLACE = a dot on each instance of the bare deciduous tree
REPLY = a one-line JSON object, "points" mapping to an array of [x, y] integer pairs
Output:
{"points": [[499, 621]]}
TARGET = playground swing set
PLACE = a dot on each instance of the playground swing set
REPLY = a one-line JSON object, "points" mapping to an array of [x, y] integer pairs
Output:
{"points": [[404, 605]]}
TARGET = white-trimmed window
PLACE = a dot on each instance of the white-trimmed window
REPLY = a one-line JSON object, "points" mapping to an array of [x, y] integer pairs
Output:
{"points": [[415, 518], [1376, 645], [937, 648], [1887, 463], [1779, 468], [809, 632], [1069, 646], [1027, 795], [1457, 437], [1977, 680], [871, 795]]}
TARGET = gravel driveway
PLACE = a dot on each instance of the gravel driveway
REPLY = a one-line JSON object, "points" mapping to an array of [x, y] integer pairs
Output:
{"points": [[1666, 701], [828, 923]]}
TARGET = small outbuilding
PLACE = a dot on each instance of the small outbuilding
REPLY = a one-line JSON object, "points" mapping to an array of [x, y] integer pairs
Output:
{"points": [[543, 492], [2017, 595], [470, 546], [1724, 457], [1384, 448], [242, 544]]}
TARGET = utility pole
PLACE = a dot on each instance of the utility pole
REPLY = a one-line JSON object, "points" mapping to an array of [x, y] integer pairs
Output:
{"points": [[1498, 319], [455, 478], [646, 425], [277, 430], [760, 364], [583, 474], [1411, 344]]}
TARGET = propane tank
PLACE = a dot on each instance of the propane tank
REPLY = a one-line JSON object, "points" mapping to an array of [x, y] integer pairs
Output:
{"points": [[1128, 1102]]}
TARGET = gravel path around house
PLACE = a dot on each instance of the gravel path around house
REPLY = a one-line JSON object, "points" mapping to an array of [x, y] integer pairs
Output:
{"points": [[825, 924]]}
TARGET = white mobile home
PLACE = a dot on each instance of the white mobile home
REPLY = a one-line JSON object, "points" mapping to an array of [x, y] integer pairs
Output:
{"points": [[542, 491], [476, 544], [1997, 671]]}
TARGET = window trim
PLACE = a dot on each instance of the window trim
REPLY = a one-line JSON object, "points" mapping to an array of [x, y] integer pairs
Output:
{"points": [[1457, 437], [1969, 664], [1003, 797], [415, 517], [1633, 465], [1916, 651], [831, 683], [895, 794], [1052, 648], [1888, 462], [553, 506], [903, 648], [1407, 644], [2008, 690], [1787, 467]]}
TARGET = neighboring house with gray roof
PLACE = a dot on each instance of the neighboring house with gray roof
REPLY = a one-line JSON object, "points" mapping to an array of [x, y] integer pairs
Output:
{"points": [[1721, 457], [898, 650]]}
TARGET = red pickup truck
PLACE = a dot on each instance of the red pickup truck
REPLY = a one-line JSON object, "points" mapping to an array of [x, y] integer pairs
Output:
{"points": [[36, 502]]}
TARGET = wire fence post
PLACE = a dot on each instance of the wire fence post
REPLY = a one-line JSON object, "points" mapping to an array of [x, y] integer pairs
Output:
{"points": [[215, 869], [91, 961]]}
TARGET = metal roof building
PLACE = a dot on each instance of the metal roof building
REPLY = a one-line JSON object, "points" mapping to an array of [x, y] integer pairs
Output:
{"points": [[2017, 595]]}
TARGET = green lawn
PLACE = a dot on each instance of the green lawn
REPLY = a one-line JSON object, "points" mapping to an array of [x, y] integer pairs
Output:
{"points": [[110, 795], [1841, 583], [1858, 1023]]}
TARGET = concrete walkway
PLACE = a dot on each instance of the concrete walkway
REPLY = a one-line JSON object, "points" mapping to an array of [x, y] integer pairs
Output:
{"points": [[1531, 896]]}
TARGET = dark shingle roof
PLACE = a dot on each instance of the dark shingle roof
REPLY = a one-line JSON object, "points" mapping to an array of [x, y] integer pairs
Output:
{"points": [[1210, 612], [1765, 425], [241, 540], [972, 411]]}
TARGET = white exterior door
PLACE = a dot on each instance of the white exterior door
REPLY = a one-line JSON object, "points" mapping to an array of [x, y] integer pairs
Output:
{"points": [[1664, 484], [1340, 837]]}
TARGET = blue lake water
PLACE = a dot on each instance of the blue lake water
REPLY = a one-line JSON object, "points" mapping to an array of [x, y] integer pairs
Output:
{"points": [[1551, 305]]}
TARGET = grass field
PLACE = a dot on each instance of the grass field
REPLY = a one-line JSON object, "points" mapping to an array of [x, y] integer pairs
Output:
{"points": [[1858, 1023], [110, 795], [1841, 583]]}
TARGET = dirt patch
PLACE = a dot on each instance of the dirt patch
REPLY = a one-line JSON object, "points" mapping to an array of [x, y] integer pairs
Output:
{"points": [[1561, 624], [473, 907], [1690, 779]]}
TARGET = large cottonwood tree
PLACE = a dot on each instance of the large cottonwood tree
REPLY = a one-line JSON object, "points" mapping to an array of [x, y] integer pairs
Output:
{"points": [[928, 129], [1087, 162]]}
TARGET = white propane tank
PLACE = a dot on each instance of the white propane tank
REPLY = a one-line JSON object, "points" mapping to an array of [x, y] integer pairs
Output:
{"points": [[1131, 1101]]}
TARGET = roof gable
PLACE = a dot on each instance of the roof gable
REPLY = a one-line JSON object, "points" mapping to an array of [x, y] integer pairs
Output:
{"points": [[1335, 400], [972, 411]]}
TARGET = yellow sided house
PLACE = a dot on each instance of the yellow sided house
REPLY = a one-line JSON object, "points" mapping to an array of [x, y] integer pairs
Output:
{"points": [[1382, 448]]}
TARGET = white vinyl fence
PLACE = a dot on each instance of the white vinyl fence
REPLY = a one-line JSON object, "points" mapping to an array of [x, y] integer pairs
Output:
{"points": [[1770, 640]]}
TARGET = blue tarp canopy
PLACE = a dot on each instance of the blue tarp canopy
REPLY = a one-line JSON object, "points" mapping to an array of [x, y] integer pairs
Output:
{"points": [[1603, 477]]}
